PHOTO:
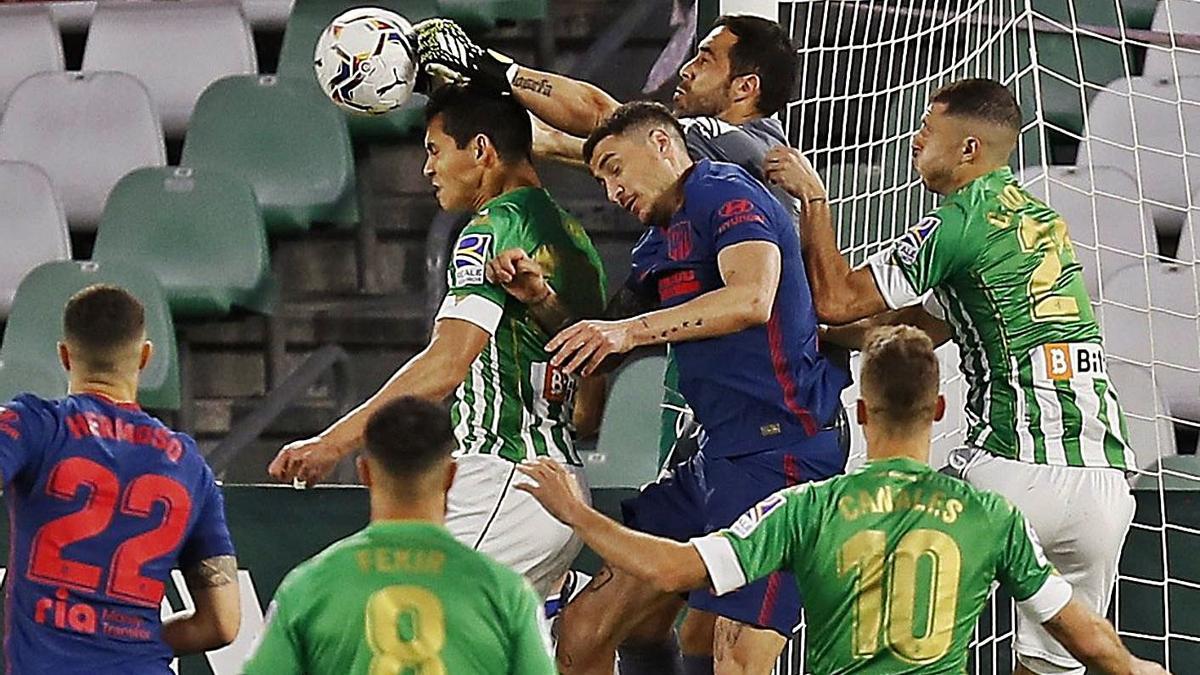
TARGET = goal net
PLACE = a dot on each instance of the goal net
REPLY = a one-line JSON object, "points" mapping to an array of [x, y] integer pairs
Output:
{"points": [[1110, 91]]}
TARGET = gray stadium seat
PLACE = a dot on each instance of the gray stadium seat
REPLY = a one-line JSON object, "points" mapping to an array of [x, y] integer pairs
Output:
{"points": [[85, 130], [626, 452], [267, 14], [175, 49], [33, 224], [19, 376], [1151, 433], [1107, 224], [31, 45], [1168, 118], [1178, 17]]}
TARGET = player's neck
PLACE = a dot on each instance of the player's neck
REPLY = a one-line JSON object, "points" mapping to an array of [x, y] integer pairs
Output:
{"points": [[505, 179], [884, 445], [973, 172], [738, 114], [387, 510], [113, 388]]}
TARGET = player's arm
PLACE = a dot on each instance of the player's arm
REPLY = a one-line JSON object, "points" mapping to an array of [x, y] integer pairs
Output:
{"points": [[853, 335], [750, 270], [432, 374], [1091, 639], [590, 400], [559, 146], [670, 566], [214, 623]]}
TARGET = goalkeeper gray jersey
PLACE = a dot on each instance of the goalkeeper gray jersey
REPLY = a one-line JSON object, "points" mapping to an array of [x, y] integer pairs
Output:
{"points": [[743, 144]]}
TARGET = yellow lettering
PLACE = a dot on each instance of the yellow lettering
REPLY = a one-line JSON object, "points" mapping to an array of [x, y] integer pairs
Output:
{"points": [[1012, 197], [953, 508], [999, 220], [903, 501], [364, 561], [846, 506], [383, 561], [884, 498]]}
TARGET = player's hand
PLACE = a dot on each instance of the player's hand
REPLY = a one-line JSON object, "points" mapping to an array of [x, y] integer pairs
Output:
{"points": [[790, 170], [582, 347], [1140, 667], [554, 487], [519, 275], [446, 54], [306, 461]]}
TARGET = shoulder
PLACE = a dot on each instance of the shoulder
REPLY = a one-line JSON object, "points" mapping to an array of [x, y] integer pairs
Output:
{"points": [[721, 181], [330, 561], [32, 404], [706, 127]]}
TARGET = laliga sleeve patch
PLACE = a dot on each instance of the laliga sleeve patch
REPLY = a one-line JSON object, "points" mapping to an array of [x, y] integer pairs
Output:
{"points": [[750, 520], [909, 245], [470, 255]]}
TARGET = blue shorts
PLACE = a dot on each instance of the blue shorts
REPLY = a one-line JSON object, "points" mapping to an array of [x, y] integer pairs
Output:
{"points": [[703, 494]]}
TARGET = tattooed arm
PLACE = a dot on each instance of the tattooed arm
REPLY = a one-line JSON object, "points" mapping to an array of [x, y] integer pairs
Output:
{"points": [[214, 623], [573, 106]]}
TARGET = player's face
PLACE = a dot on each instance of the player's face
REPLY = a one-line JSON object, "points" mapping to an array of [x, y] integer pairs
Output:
{"points": [[937, 149], [635, 173], [705, 86], [455, 172]]}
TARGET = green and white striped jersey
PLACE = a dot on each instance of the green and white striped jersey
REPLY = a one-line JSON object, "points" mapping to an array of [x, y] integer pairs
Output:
{"points": [[1004, 271], [514, 404]]}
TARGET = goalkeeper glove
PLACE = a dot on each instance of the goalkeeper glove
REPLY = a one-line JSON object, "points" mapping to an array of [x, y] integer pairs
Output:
{"points": [[446, 54]]}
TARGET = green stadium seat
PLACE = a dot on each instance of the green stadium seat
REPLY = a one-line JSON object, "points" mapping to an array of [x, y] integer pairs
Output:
{"points": [[626, 454], [199, 231], [30, 377], [35, 325], [292, 149]]}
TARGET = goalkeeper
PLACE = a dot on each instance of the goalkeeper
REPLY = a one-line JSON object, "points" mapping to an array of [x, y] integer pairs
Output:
{"points": [[896, 560], [1045, 427]]}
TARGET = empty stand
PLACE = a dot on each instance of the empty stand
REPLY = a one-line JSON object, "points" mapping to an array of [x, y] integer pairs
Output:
{"points": [[293, 149], [31, 45], [176, 49], [31, 377], [626, 452], [33, 225], [1174, 17], [35, 325], [1149, 431], [86, 130], [199, 231]]}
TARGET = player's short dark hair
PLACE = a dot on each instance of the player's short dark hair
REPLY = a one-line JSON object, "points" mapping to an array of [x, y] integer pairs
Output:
{"points": [[632, 115], [900, 375], [763, 48], [409, 436], [468, 111], [982, 99], [101, 320]]}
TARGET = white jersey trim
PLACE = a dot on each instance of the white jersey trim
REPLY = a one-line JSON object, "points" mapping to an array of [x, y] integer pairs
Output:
{"points": [[897, 292], [1048, 601], [724, 569], [472, 309]]}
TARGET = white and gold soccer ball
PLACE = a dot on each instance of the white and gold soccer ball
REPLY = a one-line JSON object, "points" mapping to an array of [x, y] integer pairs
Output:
{"points": [[365, 61]]}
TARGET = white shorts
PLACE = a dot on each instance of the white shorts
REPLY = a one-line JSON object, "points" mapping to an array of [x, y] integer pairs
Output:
{"points": [[484, 512], [1081, 516]]}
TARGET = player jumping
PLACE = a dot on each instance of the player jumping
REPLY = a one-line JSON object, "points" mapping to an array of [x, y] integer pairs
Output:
{"points": [[510, 403], [1045, 427], [105, 501], [403, 595], [896, 560]]}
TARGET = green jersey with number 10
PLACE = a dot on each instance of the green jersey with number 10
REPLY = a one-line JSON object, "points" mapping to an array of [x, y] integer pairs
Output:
{"points": [[895, 561], [1002, 267], [514, 404]]}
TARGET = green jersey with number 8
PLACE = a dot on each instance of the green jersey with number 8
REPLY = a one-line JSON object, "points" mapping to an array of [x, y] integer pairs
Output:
{"points": [[513, 403], [895, 562], [1002, 268], [400, 598]]}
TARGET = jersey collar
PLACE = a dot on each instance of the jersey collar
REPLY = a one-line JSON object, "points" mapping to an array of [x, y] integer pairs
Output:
{"points": [[123, 405]]}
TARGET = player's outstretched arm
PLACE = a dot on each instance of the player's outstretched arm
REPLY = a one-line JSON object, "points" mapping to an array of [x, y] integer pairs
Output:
{"points": [[670, 566], [1091, 639], [213, 586], [432, 374], [559, 146]]}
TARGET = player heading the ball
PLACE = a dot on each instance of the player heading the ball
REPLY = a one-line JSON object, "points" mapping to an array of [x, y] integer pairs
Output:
{"points": [[896, 561]]}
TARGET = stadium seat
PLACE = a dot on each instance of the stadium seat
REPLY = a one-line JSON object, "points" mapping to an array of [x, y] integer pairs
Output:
{"points": [[291, 148], [1178, 17], [35, 324], [32, 221], [199, 231], [269, 15], [1168, 118], [1151, 434], [1107, 224], [31, 45], [175, 49], [626, 452], [31, 377], [85, 130]]}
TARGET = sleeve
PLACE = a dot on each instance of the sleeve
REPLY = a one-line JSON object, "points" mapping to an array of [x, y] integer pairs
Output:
{"points": [[1026, 574], [530, 646], [471, 297], [931, 252], [210, 536], [24, 427], [761, 541], [277, 650], [741, 215]]}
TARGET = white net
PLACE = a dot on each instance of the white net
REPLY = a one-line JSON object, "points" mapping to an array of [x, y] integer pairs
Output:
{"points": [[1110, 91]]}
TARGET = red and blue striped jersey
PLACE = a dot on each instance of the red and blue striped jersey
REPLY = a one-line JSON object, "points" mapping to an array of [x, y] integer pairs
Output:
{"points": [[104, 501], [759, 388]]}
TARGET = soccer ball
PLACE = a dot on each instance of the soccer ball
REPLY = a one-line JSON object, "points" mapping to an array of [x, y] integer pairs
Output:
{"points": [[365, 61]]}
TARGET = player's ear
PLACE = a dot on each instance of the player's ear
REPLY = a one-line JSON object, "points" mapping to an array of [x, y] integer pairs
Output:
{"points": [[745, 86], [363, 469], [661, 140], [860, 412], [64, 356], [147, 352], [939, 409], [481, 146], [972, 149], [451, 471]]}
